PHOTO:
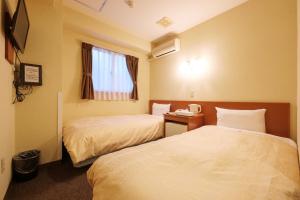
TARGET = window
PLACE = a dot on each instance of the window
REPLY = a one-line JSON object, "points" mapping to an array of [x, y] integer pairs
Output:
{"points": [[111, 79]]}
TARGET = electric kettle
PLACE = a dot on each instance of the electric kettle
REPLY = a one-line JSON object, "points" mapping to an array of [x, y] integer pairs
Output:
{"points": [[195, 108]]}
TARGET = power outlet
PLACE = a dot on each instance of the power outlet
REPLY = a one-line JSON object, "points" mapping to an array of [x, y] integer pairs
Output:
{"points": [[192, 94], [2, 165]]}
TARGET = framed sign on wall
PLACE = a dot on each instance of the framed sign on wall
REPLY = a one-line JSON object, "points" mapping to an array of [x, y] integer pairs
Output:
{"points": [[30, 74]]}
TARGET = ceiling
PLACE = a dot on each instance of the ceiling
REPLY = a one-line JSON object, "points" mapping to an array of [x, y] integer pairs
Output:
{"points": [[141, 19]]}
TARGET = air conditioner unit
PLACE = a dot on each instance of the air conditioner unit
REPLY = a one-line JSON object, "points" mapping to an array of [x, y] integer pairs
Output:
{"points": [[166, 48]]}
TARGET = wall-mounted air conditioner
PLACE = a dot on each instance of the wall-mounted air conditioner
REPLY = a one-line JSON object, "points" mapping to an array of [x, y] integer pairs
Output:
{"points": [[166, 48]]}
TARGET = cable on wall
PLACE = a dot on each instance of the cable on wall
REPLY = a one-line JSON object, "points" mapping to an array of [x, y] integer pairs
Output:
{"points": [[21, 91]]}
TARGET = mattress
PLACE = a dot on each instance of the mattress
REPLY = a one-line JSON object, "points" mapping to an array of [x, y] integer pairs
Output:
{"points": [[207, 163], [88, 138]]}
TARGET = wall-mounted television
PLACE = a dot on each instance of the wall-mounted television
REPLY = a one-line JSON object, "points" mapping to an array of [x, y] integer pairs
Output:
{"points": [[20, 26]]}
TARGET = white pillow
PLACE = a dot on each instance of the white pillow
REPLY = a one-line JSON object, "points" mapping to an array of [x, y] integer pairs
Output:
{"points": [[160, 109], [252, 120]]}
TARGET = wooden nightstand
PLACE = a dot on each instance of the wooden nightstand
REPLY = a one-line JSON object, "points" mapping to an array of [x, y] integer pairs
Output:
{"points": [[192, 122]]}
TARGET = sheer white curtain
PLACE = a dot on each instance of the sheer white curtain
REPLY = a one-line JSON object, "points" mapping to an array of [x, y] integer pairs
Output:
{"points": [[111, 78]]}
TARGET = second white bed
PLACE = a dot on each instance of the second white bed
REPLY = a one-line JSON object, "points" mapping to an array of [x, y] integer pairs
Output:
{"points": [[94, 136]]}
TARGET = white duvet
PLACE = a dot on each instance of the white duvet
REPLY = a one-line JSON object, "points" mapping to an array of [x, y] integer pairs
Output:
{"points": [[94, 136], [209, 163]]}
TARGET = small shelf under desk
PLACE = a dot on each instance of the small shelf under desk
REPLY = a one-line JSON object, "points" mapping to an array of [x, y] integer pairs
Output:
{"points": [[192, 122]]}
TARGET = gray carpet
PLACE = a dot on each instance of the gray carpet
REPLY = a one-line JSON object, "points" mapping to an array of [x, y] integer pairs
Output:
{"points": [[58, 180]]}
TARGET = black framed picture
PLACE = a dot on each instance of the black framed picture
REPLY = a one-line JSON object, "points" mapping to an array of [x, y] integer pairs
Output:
{"points": [[30, 74]]}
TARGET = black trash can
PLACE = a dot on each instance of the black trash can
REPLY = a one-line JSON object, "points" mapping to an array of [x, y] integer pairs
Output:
{"points": [[25, 165]]}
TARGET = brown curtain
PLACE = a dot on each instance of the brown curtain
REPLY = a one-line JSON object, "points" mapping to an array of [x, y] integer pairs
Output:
{"points": [[132, 66], [87, 89]]}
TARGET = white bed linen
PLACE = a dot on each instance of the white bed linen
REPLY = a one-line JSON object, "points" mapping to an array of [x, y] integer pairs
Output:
{"points": [[207, 163], [94, 136]]}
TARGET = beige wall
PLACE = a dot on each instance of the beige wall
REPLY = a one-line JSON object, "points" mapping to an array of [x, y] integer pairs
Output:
{"points": [[250, 53], [247, 53], [73, 106], [36, 117], [7, 112], [298, 77]]}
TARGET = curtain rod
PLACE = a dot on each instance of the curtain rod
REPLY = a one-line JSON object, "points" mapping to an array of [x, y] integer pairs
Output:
{"points": [[97, 46]]}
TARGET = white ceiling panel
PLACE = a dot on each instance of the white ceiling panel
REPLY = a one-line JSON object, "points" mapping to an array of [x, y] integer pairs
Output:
{"points": [[141, 19]]}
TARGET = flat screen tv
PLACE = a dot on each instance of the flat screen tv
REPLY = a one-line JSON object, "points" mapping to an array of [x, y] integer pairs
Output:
{"points": [[20, 26]]}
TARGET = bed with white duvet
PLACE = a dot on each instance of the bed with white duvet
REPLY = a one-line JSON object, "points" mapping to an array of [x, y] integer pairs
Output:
{"points": [[87, 138], [211, 162]]}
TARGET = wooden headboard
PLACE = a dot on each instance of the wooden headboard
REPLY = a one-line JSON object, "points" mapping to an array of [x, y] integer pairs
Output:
{"points": [[277, 114]]}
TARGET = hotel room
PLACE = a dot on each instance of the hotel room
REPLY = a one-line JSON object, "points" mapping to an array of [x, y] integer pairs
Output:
{"points": [[150, 99]]}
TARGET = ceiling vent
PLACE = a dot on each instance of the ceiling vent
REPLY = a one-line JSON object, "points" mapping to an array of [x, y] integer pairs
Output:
{"points": [[165, 22], [166, 48]]}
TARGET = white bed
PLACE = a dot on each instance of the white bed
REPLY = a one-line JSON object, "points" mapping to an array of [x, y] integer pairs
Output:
{"points": [[87, 138], [207, 163]]}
